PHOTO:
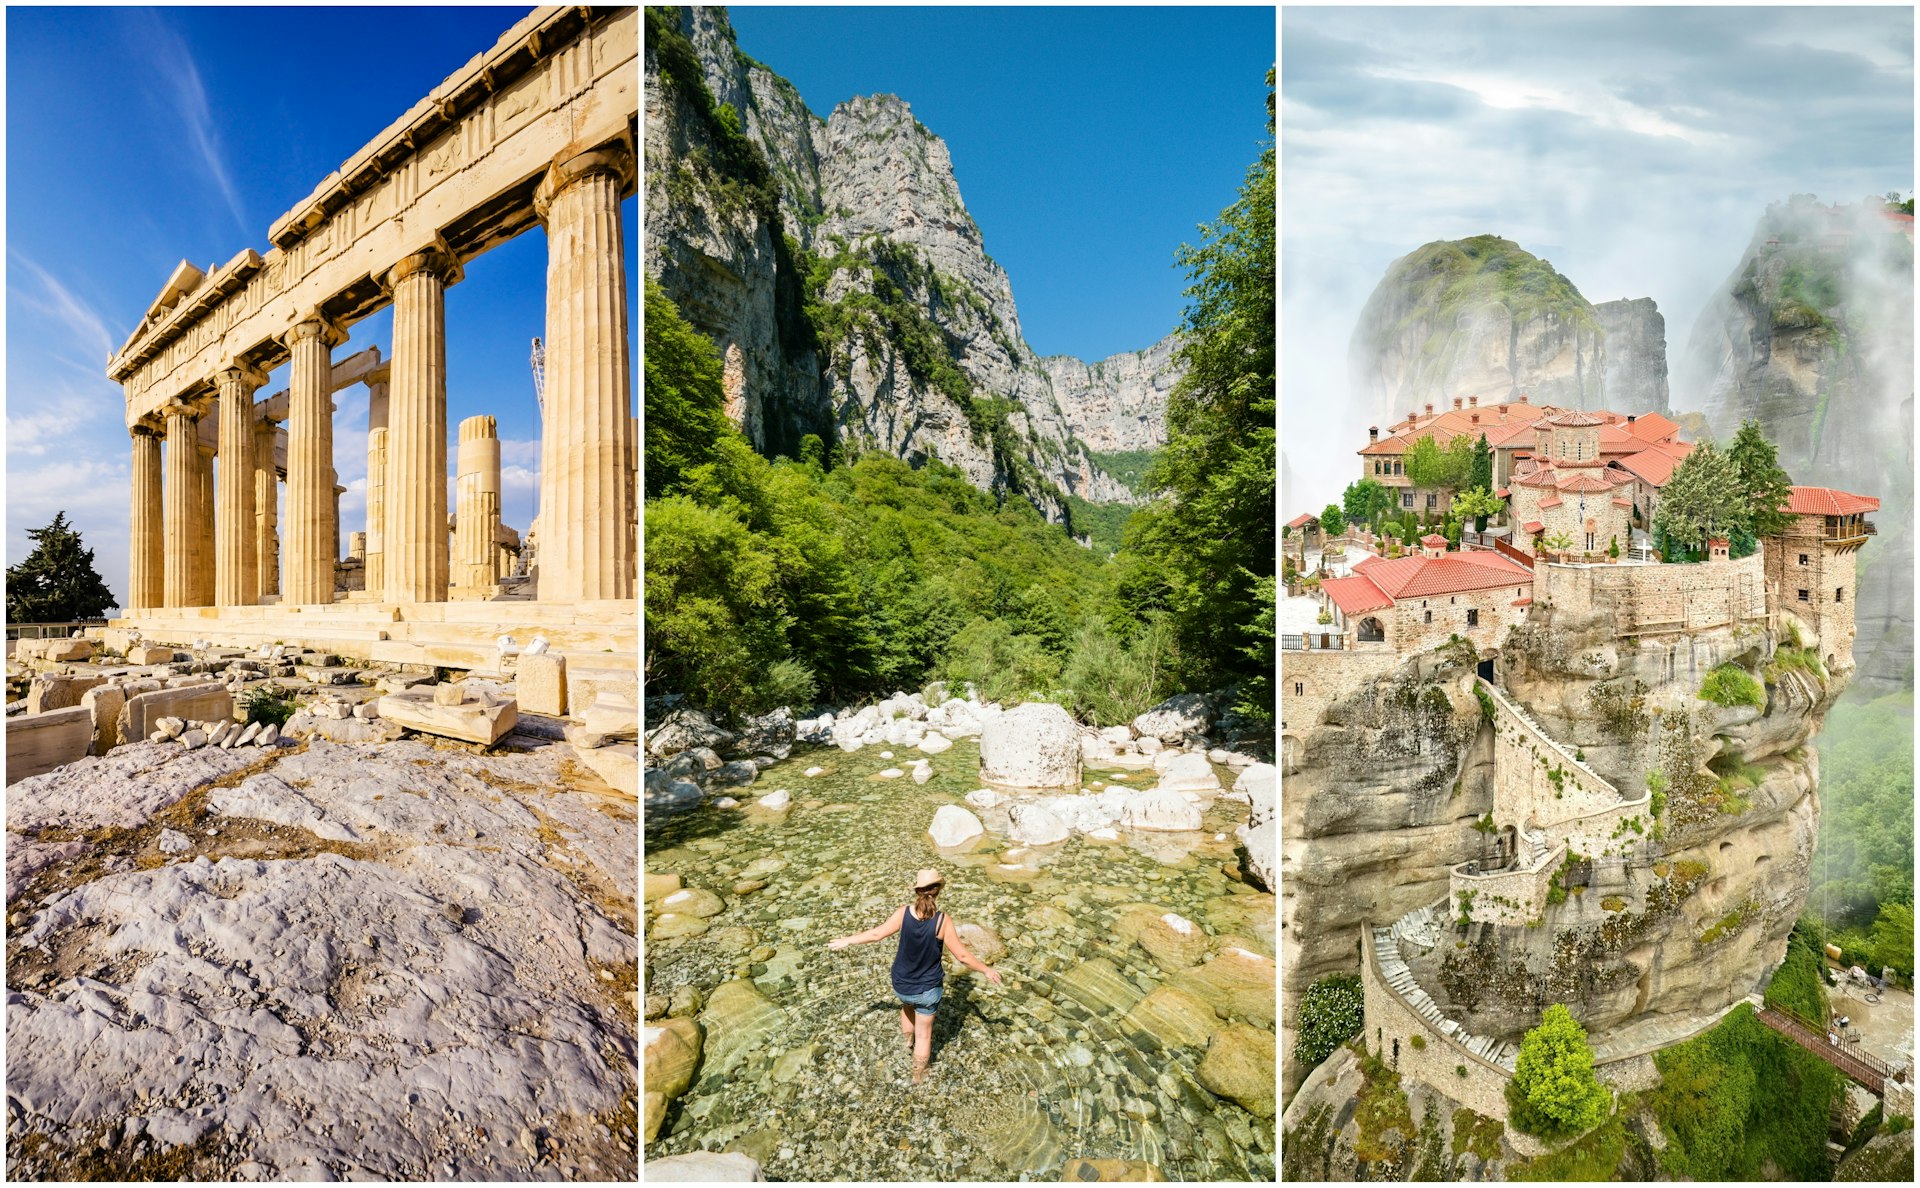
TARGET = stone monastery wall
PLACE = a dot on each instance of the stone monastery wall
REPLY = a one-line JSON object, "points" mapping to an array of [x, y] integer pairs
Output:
{"points": [[1312, 681], [1653, 599], [1390, 1018]]}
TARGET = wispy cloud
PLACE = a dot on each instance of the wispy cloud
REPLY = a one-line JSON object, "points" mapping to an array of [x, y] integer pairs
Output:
{"points": [[180, 77], [58, 302]]}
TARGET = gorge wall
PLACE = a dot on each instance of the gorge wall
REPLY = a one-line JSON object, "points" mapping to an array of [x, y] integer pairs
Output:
{"points": [[1812, 335], [1483, 317], [837, 268]]}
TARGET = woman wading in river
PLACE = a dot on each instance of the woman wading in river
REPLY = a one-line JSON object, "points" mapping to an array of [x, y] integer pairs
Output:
{"points": [[917, 973]]}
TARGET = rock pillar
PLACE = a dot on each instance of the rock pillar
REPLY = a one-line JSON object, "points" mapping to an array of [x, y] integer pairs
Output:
{"points": [[146, 553], [312, 540], [236, 568], [477, 518], [414, 536], [266, 510], [586, 486], [180, 498], [376, 512]]}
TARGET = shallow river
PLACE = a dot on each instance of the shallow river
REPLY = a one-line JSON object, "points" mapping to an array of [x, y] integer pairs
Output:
{"points": [[1024, 1076]]}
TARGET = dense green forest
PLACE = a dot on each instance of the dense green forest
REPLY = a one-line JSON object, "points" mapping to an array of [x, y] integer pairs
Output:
{"points": [[834, 576], [1862, 892]]}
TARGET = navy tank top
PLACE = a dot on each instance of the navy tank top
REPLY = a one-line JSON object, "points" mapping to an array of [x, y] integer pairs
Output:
{"points": [[916, 963]]}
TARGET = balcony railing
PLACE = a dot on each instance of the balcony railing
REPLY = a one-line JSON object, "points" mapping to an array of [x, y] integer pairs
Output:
{"points": [[1320, 641]]}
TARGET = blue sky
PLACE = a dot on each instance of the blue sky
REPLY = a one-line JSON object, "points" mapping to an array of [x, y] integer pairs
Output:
{"points": [[1088, 142], [1633, 148], [182, 134]]}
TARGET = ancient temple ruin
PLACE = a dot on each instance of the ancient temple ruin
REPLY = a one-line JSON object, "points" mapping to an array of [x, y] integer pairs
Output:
{"points": [[538, 131]]}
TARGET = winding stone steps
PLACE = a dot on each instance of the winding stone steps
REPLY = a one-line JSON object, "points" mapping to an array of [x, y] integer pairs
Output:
{"points": [[1422, 927]]}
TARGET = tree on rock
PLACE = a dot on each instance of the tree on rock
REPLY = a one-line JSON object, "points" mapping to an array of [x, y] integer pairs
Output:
{"points": [[57, 582], [1331, 1013], [1702, 500], [1553, 1093], [1762, 481]]}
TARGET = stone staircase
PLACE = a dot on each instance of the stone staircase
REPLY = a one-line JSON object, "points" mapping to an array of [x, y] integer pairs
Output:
{"points": [[1414, 928], [1536, 848]]}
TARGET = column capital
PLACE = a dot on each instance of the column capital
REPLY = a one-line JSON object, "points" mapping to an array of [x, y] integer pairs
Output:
{"points": [[185, 406], [436, 259], [314, 324], [615, 158], [238, 372], [146, 427]]}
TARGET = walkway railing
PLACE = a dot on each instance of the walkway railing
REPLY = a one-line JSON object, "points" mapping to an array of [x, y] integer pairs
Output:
{"points": [[1856, 1064], [1319, 641], [50, 630]]}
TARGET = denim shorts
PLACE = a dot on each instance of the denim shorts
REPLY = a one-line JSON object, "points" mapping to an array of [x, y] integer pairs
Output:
{"points": [[923, 1003]]}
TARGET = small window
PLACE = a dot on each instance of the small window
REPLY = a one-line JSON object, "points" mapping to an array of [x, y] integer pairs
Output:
{"points": [[1433, 501], [1803, 558], [1803, 596], [1839, 593], [1429, 616], [1473, 618], [1299, 689], [1406, 500]]}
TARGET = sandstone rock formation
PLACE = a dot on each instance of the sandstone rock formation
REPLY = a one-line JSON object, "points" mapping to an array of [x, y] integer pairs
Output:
{"points": [[757, 206], [1812, 335], [1483, 317]]}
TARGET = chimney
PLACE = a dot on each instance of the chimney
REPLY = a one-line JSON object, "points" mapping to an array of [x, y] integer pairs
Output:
{"points": [[1473, 402], [1476, 418], [1373, 434], [1630, 417], [1456, 403], [1429, 410], [1412, 415]]}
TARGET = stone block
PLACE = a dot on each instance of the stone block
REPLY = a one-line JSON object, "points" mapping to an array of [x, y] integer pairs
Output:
{"points": [[609, 719], [203, 702], [105, 702], [54, 691], [38, 743], [586, 684], [149, 654], [484, 722], [68, 651], [618, 765], [449, 693], [541, 683]]}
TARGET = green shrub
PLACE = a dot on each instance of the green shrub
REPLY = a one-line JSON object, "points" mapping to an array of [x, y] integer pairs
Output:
{"points": [[1419, 1042], [266, 704], [1740, 1097], [1553, 1093], [1798, 987], [1730, 685], [1330, 1014]]}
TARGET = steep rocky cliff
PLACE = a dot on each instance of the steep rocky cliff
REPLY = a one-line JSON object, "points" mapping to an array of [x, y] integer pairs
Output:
{"points": [[1483, 317], [835, 264], [1812, 336], [1385, 786]]}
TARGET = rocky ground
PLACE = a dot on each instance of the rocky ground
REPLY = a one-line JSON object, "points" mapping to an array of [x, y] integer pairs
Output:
{"points": [[379, 960]]}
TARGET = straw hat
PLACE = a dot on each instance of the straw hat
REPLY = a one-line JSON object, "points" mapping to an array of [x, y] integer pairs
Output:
{"points": [[926, 878]]}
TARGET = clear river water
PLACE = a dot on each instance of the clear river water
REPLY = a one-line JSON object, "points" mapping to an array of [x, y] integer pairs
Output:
{"points": [[807, 1071]]}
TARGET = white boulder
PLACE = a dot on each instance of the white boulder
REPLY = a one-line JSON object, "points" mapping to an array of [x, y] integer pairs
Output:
{"points": [[1035, 825], [776, 802], [1159, 809], [934, 744], [1175, 718], [954, 826], [1035, 745], [1189, 771]]}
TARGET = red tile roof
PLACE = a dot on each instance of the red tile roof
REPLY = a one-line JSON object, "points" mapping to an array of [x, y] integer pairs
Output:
{"points": [[1302, 519], [1825, 501], [1532, 527], [1653, 427], [1589, 483], [1434, 540], [1355, 595], [1553, 500], [1576, 420], [1421, 576]]}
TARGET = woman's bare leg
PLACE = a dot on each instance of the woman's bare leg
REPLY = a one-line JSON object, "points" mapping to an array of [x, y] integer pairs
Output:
{"points": [[906, 1026], [922, 1045]]}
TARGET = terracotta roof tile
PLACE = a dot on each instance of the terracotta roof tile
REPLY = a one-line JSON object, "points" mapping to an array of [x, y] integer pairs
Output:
{"points": [[1421, 576], [1303, 518], [1825, 501], [1653, 427], [1355, 595]]}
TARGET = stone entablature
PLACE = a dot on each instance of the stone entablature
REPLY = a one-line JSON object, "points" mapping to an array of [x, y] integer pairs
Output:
{"points": [[1660, 599]]}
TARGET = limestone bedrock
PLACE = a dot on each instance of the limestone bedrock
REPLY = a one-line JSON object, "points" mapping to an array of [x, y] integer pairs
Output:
{"points": [[380, 961]]}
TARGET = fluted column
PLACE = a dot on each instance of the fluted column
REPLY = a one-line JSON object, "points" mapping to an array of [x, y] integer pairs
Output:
{"points": [[414, 537], [146, 544], [203, 520], [236, 579], [179, 499], [312, 541], [377, 512], [586, 485], [266, 511], [477, 519]]}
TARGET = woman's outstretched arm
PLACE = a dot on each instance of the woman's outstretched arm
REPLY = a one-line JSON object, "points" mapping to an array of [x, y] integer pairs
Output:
{"points": [[951, 937], [877, 932]]}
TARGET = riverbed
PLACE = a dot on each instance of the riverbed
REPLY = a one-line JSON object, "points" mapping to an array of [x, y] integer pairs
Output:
{"points": [[804, 1065]]}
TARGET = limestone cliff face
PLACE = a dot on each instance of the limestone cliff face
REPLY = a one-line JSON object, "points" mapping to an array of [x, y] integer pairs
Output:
{"points": [[838, 258], [1812, 336], [1384, 787], [1483, 317], [1119, 403]]}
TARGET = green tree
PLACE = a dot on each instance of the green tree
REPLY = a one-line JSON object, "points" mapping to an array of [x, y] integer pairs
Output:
{"points": [[1478, 503], [57, 582], [1703, 1099], [1366, 501], [1449, 467], [1703, 499], [1330, 1015], [1333, 520], [1893, 938], [1482, 476], [1216, 475], [1553, 1093], [686, 402], [1763, 483]]}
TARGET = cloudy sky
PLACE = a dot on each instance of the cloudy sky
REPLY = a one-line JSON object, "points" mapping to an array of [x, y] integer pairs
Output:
{"points": [[180, 137], [1633, 148]]}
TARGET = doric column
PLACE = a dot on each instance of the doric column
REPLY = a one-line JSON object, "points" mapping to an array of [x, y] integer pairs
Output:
{"points": [[180, 498], [266, 510], [146, 553], [236, 559], [312, 541], [203, 569], [414, 537], [586, 486], [377, 512], [477, 519]]}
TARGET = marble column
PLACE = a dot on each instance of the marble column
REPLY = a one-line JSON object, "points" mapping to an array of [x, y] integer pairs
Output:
{"points": [[266, 510], [312, 540], [586, 485], [179, 499], [236, 559], [414, 536], [477, 518], [377, 512], [146, 581]]}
